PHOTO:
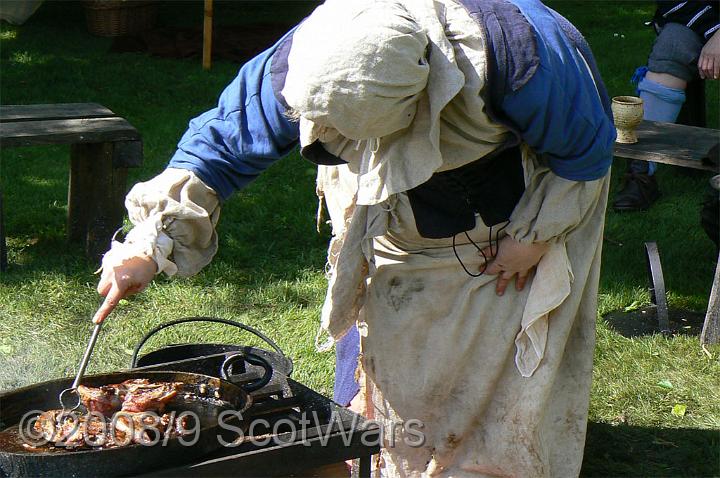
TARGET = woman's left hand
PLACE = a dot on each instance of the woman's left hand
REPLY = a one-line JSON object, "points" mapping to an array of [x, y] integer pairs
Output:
{"points": [[511, 258]]}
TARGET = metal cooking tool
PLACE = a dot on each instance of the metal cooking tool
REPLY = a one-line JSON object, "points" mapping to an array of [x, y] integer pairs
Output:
{"points": [[81, 371]]}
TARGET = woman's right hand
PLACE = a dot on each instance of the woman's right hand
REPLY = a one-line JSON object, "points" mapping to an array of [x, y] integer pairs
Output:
{"points": [[709, 61], [128, 277]]}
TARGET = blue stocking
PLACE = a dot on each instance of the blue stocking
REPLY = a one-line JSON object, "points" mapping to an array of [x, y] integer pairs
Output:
{"points": [[660, 103], [347, 351]]}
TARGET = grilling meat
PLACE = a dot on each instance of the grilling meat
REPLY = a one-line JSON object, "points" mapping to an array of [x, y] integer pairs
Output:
{"points": [[118, 414], [142, 397], [146, 428], [137, 395], [74, 430], [103, 399], [57, 426]]}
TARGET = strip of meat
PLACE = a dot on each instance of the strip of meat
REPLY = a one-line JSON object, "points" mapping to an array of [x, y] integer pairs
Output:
{"points": [[131, 405], [138, 426], [149, 397], [137, 395], [147, 428], [73, 430], [47, 424], [104, 400]]}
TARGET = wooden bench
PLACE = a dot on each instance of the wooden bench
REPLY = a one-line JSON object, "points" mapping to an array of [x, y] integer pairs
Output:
{"points": [[102, 148], [688, 147], [670, 143]]}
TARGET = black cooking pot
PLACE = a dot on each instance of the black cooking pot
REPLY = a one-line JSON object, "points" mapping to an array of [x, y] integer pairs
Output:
{"points": [[229, 360]]}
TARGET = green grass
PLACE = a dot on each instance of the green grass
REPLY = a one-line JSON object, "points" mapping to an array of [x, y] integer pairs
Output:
{"points": [[269, 270]]}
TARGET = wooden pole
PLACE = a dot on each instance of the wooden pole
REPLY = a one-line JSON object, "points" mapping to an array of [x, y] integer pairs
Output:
{"points": [[207, 35], [3, 244], [711, 327]]}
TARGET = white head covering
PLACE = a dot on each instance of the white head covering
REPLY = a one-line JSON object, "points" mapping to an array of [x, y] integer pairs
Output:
{"points": [[364, 81], [393, 86]]}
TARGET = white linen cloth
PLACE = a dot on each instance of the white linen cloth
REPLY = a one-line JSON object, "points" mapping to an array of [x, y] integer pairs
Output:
{"points": [[501, 384], [440, 346], [174, 216]]}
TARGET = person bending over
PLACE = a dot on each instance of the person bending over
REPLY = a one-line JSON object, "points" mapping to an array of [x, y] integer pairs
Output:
{"points": [[463, 146]]}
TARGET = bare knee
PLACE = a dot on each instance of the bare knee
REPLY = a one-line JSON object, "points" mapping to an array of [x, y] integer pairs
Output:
{"points": [[666, 79]]}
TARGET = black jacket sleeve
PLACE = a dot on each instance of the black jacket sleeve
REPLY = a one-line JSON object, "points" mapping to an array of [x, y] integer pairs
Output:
{"points": [[702, 16]]}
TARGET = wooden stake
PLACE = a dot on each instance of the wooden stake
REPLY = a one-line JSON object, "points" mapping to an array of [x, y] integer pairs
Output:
{"points": [[711, 327], [207, 35]]}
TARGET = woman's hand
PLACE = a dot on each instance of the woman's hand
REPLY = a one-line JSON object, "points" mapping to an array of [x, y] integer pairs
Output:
{"points": [[510, 259], [130, 276], [709, 61]]}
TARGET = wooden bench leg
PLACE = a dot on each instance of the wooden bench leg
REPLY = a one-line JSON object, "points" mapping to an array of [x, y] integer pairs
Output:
{"points": [[95, 196]]}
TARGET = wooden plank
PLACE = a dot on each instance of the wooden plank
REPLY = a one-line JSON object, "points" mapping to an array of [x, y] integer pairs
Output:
{"points": [[96, 130], [79, 194], [711, 328], [10, 113], [670, 143]]}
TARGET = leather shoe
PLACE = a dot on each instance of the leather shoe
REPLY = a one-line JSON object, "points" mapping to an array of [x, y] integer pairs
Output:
{"points": [[638, 194]]}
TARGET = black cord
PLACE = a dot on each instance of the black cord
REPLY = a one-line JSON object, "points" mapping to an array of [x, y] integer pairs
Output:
{"points": [[490, 242], [464, 187], [497, 240], [457, 256], [480, 250], [473, 243]]}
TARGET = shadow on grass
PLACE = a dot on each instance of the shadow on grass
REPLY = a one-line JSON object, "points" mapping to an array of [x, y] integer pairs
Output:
{"points": [[642, 322], [687, 255], [626, 450], [36, 259]]}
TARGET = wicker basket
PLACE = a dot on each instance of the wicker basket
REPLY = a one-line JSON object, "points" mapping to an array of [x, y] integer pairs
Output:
{"points": [[112, 18]]}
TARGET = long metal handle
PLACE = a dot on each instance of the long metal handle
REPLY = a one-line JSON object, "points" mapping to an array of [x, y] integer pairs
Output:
{"points": [[86, 357], [81, 371]]}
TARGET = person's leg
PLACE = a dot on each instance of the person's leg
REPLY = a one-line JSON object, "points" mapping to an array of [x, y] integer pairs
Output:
{"points": [[660, 103], [663, 95], [672, 63], [347, 351]]}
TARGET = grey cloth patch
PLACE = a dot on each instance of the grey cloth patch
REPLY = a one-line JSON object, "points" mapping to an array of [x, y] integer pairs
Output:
{"points": [[676, 51], [513, 55], [279, 67]]}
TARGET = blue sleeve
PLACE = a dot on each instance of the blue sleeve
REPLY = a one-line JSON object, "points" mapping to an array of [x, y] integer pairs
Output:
{"points": [[560, 114], [230, 145]]}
